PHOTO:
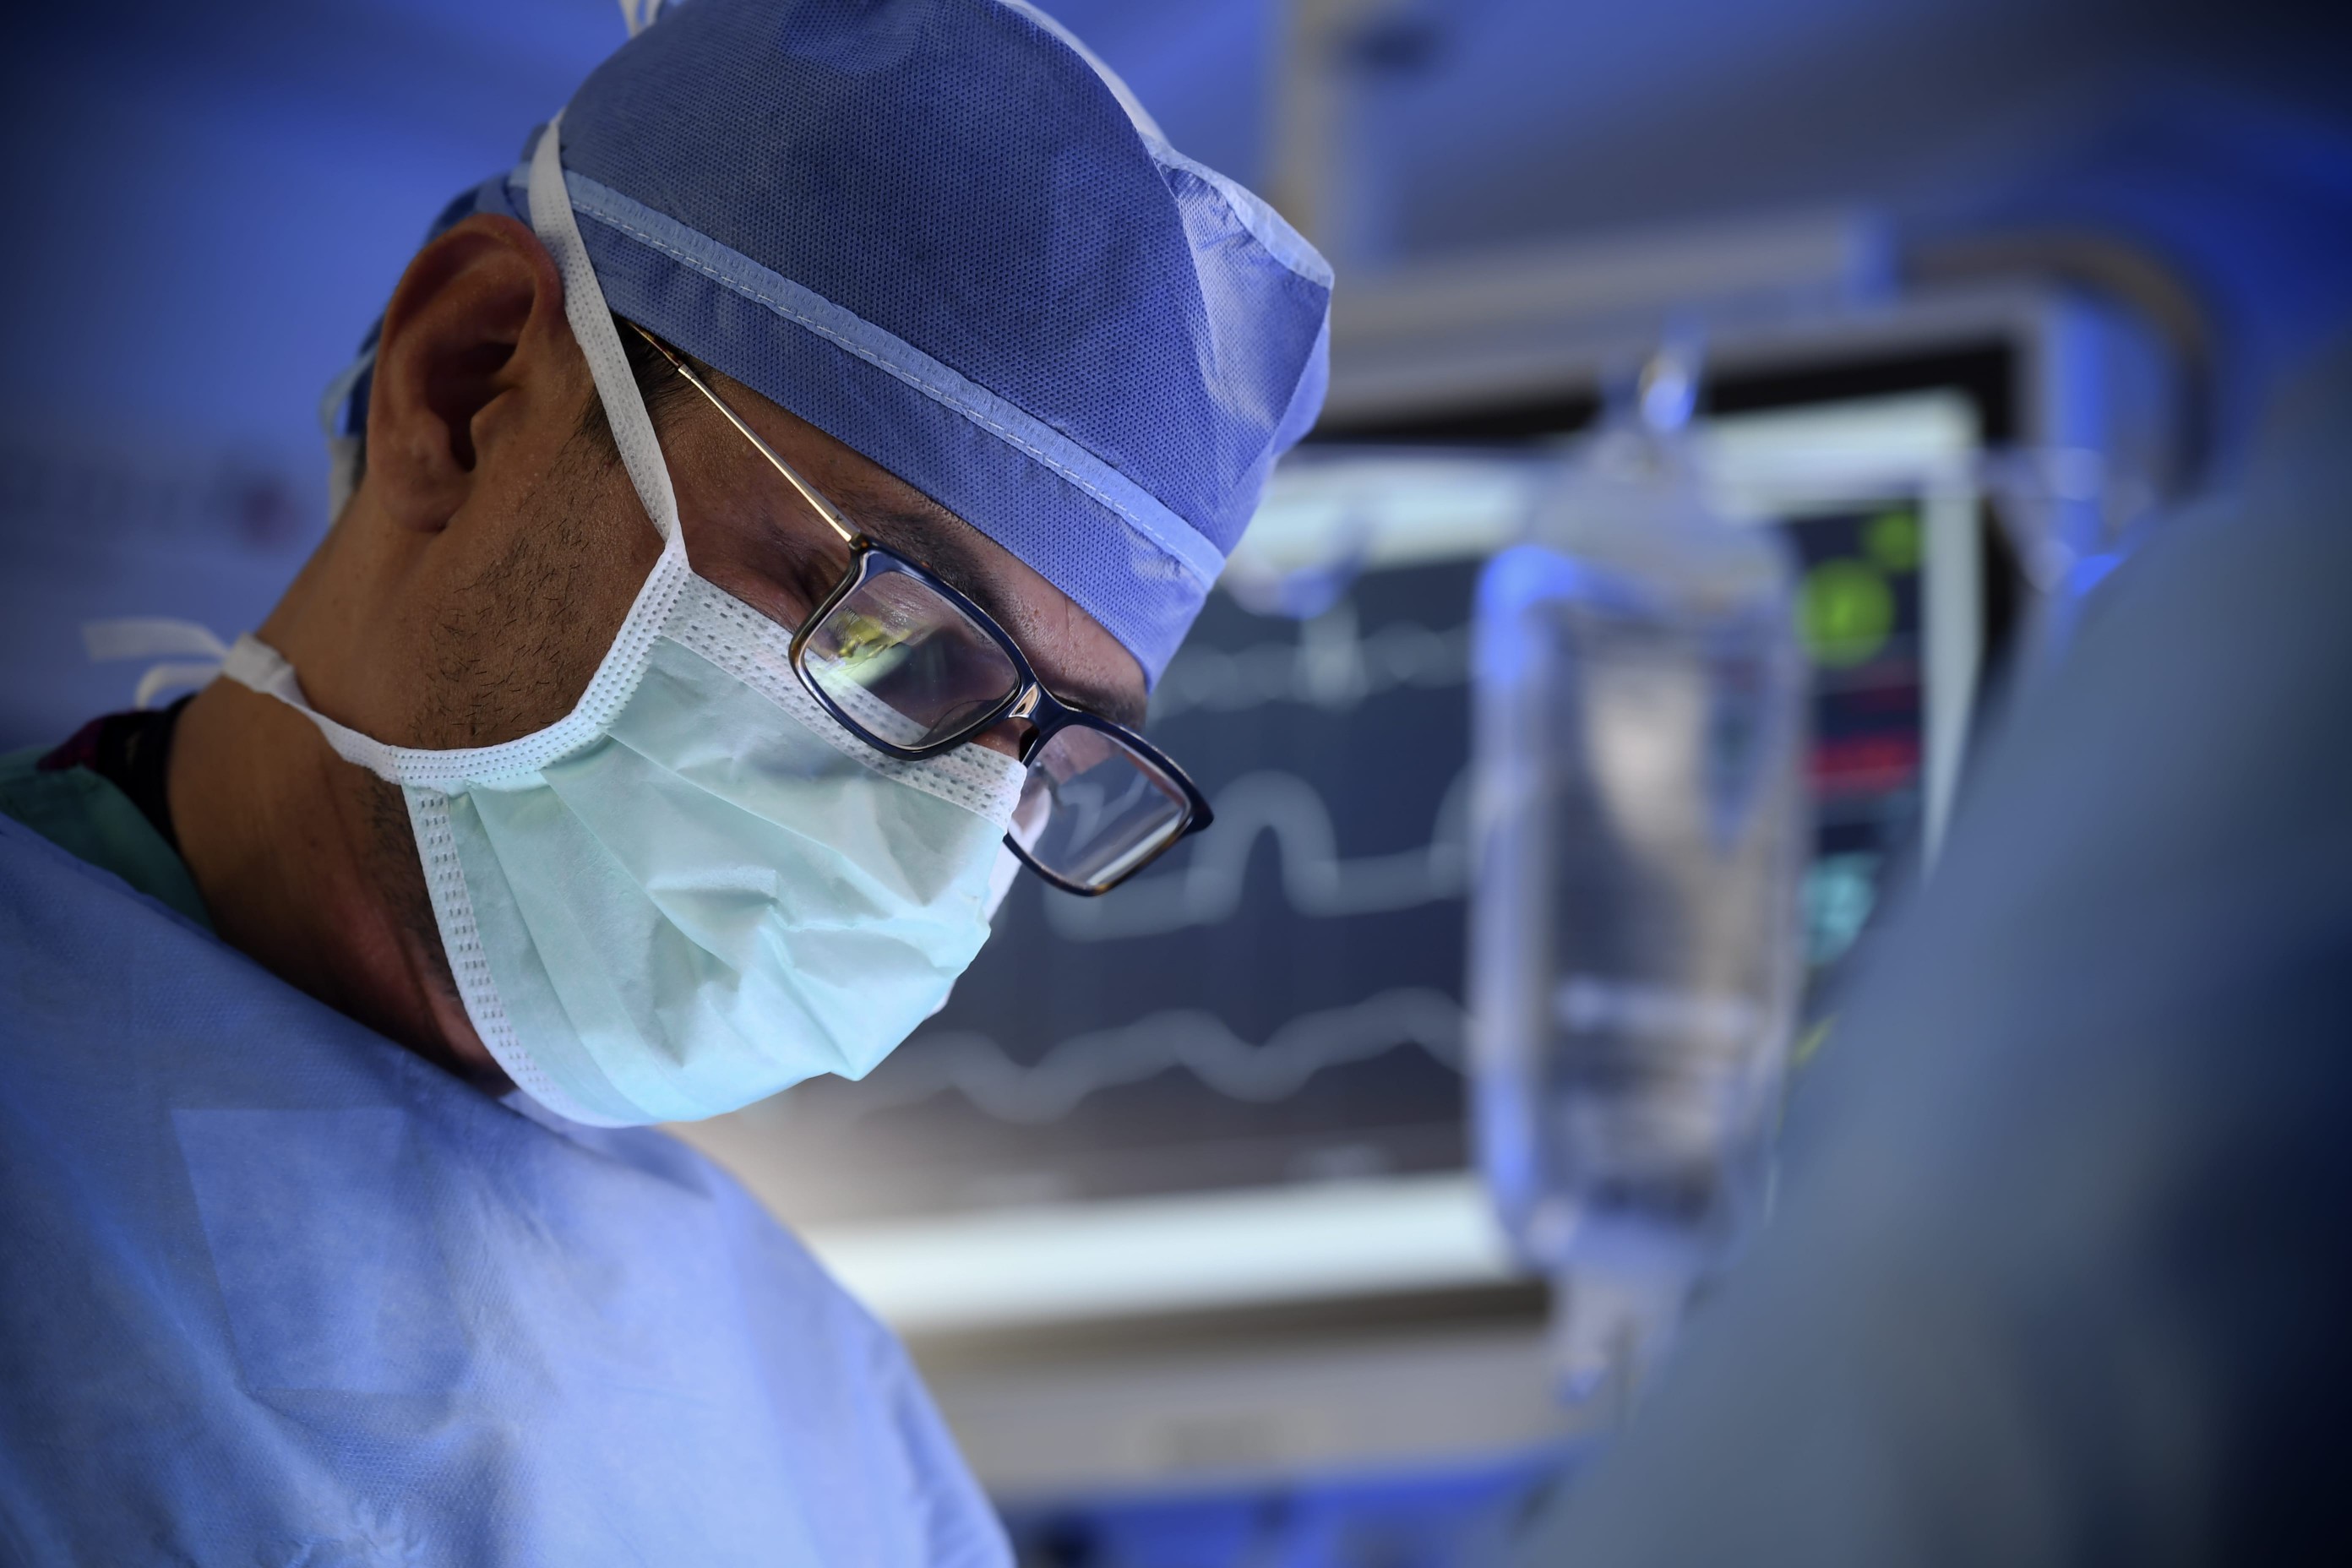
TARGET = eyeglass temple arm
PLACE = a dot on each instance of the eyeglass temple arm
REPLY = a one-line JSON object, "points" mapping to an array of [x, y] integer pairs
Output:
{"points": [[808, 493]]}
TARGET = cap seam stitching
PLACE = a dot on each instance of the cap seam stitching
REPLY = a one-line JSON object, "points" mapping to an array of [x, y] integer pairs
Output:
{"points": [[938, 393]]}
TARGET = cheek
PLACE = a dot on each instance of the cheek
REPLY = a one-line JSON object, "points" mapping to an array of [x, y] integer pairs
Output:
{"points": [[785, 583], [1004, 740], [760, 546], [529, 611]]}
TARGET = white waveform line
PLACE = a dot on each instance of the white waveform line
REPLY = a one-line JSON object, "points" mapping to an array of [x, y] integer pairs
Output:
{"points": [[1330, 667], [972, 1064], [1316, 881]]}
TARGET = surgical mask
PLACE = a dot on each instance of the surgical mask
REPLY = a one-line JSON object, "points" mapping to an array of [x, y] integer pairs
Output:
{"points": [[697, 888]]}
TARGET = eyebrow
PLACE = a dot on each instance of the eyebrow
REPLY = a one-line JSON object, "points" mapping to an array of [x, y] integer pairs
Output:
{"points": [[923, 538]]}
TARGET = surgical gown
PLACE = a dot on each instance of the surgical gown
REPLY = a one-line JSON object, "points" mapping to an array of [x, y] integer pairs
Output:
{"points": [[274, 1290]]}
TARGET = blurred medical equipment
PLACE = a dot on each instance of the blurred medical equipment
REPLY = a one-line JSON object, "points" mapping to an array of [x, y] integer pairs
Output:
{"points": [[1641, 829], [2063, 1280]]}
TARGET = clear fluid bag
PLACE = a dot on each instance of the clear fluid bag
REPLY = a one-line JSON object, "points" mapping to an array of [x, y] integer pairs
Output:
{"points": [[1643, 829]]}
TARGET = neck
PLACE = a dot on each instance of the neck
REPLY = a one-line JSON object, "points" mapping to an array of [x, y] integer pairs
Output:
{"points": [[306, 865]]}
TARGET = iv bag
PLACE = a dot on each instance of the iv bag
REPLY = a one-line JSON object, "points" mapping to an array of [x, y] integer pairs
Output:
{"points": [[1642, 829]]}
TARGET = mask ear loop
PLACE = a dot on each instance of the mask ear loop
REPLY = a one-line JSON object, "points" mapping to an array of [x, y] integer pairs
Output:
{"points": [[592, 325], [251, 664]]}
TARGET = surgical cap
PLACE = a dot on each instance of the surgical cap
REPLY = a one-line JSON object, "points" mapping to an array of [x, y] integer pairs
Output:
{"points": [[943, 234]]}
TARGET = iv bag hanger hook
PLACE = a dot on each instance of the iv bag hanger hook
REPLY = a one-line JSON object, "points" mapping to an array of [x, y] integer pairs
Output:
{"points": [[1659, 396]]}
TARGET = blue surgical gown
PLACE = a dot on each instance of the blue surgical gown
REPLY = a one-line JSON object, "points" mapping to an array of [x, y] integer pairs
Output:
{"points": [[274, 1290]]}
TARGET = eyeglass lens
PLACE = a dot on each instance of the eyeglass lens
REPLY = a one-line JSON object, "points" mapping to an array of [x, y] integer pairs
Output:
{"points": [[905, 663], [907, 666], [1111, 809]]}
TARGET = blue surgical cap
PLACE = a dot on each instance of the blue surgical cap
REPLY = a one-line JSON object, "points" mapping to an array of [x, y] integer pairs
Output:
{"points": [[941, 233]]}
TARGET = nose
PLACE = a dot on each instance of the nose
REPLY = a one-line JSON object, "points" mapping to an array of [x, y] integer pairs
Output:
{"points": [[1005, 737]]}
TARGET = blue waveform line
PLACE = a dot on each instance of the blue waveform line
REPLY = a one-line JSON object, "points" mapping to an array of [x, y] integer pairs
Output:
{"points": [[1316, 881], [972, 1064], [1333, 665]]}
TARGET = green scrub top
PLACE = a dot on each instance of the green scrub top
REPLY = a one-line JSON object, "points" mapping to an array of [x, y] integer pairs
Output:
{"points": [[85, 816]]}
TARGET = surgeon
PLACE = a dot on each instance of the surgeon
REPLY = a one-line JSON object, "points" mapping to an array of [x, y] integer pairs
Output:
{"points": [[767, 505]]}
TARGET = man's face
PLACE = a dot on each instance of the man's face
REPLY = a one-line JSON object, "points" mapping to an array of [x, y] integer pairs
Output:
{"points": [[476, 579], [512, 605]]}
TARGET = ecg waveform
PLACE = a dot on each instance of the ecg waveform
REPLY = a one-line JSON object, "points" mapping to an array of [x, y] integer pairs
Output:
{"points": [[1318, 882], [1333, 665], [975, 1065]]}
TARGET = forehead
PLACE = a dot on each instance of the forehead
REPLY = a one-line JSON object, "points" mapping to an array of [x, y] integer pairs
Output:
{"points": [[1077, 659]]}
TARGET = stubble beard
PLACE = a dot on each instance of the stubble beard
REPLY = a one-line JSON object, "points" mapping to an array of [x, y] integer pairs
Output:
{"points": [[512, 651]]}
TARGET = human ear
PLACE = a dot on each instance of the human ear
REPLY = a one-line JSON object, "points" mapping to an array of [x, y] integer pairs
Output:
{"points": [[472, 348]]}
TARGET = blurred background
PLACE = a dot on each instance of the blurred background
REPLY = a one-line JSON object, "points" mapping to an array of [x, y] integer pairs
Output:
{"points": [[1177, 1202]]}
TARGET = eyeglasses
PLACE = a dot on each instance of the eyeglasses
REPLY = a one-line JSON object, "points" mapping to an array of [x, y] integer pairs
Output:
{"points": [[914, 668]]}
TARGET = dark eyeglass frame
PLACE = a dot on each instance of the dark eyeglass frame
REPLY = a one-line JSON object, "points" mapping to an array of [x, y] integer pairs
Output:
{"points": [[1029, 700]]}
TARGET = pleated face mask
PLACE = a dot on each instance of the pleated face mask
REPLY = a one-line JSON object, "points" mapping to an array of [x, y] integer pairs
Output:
{"points": [[697, 888]]}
